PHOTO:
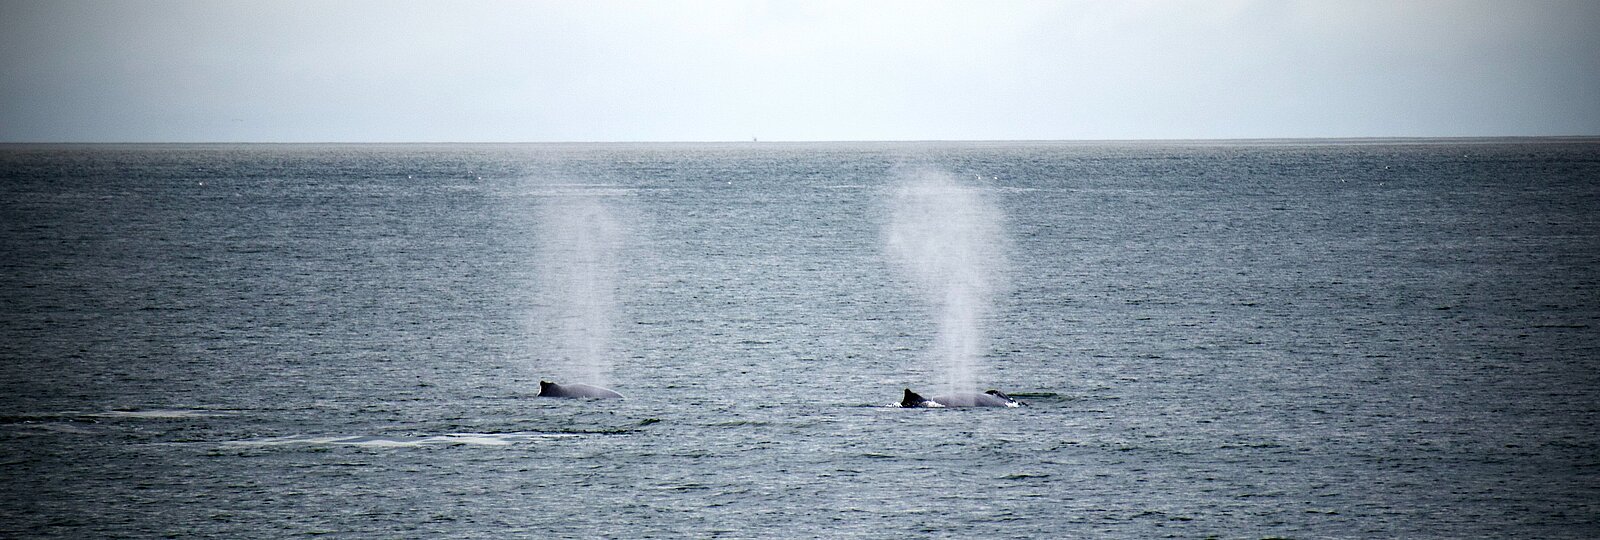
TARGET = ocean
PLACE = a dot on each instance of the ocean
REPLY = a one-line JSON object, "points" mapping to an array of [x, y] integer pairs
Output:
{"points": [[1240, 339]]}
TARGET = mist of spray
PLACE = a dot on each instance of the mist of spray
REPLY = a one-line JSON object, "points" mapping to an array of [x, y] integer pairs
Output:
{"points": [[582, 242], [947, 239]]}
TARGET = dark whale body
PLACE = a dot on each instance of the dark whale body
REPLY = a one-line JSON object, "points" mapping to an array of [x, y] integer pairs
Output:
{"points": [[992, 398], [550, 389]]}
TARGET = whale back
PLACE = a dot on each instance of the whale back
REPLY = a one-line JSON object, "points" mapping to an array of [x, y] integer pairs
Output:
{"points": [[1004, 397], [992, 398], [577, 390], [972, 399]]}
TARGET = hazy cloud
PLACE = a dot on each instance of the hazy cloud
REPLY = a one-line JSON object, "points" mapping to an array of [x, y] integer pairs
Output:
{"points": [[727, 70]]}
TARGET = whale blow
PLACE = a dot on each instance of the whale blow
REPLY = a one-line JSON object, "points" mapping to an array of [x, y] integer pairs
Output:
{"points": [[992, 398], [576, 390]]}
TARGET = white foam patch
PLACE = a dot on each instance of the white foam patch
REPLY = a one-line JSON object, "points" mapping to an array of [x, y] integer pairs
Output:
{"points": [[481, 439], [157, 413], [929, 404]]}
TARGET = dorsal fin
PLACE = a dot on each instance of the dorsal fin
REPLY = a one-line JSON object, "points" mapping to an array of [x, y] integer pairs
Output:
{"points": [[912, 399]]}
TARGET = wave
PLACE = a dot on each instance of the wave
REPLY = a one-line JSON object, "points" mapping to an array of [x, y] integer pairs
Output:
{"points": [[480, 439]]}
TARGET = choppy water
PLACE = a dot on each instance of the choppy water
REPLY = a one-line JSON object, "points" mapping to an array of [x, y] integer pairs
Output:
{"points": [[1281, 338]]}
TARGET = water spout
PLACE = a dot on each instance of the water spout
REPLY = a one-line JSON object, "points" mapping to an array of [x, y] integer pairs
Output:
{"points": [[947, 239], [582, 242]]}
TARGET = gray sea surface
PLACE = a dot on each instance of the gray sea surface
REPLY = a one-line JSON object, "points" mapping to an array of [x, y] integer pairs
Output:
{"points": [[1240, 339]]}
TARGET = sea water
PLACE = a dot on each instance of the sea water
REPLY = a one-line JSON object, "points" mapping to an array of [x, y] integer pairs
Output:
{"points": [[1320, 339]]}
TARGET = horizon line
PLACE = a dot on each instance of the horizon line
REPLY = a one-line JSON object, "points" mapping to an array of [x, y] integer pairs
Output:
{"points": [[754, 141]]}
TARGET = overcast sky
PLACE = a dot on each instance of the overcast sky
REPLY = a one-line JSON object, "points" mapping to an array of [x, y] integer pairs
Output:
{"points": [[276, 70]]}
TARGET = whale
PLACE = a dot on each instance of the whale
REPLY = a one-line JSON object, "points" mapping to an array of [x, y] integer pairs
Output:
{"points": [[575, 390], [992, 398]]}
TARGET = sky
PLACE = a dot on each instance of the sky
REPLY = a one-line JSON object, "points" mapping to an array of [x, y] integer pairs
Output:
{"points": [[528, 71]]}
